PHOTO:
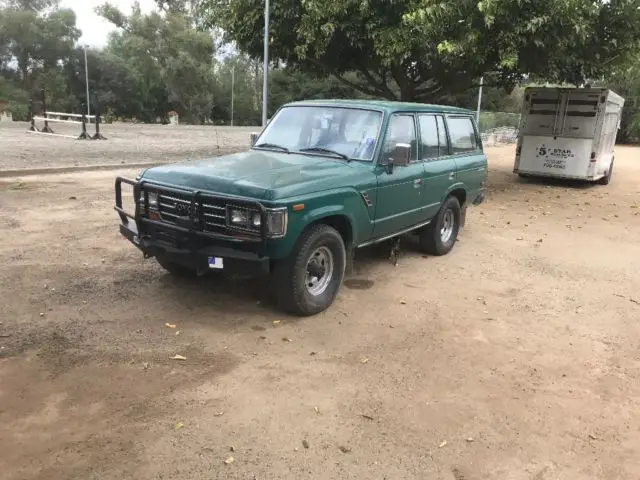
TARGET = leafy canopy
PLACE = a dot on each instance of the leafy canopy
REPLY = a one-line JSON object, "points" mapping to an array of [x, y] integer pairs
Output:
{"points": [[420, 49]]}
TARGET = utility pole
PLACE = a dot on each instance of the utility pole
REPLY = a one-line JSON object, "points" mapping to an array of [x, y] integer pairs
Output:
{"points": [[479, 101], [265, 66], [233, 77], [86, 77]]}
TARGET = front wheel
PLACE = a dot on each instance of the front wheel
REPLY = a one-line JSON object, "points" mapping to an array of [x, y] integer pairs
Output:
{"points": [[308, 281], [439, 237]]}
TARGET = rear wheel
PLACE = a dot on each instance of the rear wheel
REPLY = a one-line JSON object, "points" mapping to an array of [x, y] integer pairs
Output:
{"points": [[175, 269], [607, 178], [308, 281], [439, 237]]}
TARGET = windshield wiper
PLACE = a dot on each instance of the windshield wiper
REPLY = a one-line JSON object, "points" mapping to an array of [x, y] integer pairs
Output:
{"points": [[272, 145], [325, 150]]}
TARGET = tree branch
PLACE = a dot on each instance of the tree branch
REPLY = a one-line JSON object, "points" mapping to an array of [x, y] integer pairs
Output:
{"points": [[381, 85], [355, 86]]}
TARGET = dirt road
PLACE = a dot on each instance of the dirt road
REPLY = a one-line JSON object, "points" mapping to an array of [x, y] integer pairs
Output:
{"points": [[514, 357]]}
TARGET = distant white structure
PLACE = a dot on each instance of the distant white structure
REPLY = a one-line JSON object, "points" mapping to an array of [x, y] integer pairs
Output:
{"points": [[6, 116], [173, 118]]}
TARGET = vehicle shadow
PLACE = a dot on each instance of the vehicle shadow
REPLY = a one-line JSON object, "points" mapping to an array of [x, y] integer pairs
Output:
{"points": [[253, 295], [556, 182]]}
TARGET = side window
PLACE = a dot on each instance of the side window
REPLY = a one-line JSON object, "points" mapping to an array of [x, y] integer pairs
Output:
{"points": [[463, 135], [442, 136], [402, 129], [429, 136]]}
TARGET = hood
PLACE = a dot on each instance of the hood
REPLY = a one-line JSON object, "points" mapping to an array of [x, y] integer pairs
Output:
{"points": [[257, 174]]}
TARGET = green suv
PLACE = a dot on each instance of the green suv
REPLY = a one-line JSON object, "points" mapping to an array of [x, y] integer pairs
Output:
{"points": [[322, 179]]}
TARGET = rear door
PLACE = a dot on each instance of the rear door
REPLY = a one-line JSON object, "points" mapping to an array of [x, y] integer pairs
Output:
{"points": [[399, 203], [466, 149], [439, 165]]}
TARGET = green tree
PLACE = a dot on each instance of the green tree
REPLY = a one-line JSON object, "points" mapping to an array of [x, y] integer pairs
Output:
{"points": [[420, 49], [171, 62], [625, 81]]}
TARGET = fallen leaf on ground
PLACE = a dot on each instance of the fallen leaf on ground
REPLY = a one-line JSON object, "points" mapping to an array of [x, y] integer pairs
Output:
{"points": [[169, 325], [344, 449], [368, 417], [145, 365], [470, 439], [364, 360], [313, 353], [218, 414], [276, 322], [232, 448], [592, 436], [316, 409], [305, 444], [178, 357], [179, 425], [178, 332], [634, 301], [402, 302], [442, 444], [229, 461], [286, 339], [5, 335]]}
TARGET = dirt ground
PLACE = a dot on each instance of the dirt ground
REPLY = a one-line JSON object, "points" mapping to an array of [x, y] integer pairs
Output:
{"points": [[513, 357], [126, 143]]}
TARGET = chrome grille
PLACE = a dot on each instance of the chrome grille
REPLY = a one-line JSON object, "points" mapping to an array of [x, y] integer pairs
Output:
{"points": [[173, 205]]}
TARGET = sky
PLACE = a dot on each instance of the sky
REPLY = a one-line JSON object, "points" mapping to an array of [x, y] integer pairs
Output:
{"points": [[95, 30]]}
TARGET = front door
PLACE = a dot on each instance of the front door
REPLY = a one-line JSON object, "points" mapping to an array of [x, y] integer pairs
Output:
{"points": [[399, 203], [439, 164]]}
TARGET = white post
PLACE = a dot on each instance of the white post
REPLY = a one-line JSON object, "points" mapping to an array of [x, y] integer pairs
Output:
{"points": [[479, 101], [233, 77], [265, 66], [86, 77]]}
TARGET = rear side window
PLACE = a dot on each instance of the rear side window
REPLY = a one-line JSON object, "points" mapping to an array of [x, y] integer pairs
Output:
{"points": [[442, 135], [434, 137], [463, 135], [429, 136]]}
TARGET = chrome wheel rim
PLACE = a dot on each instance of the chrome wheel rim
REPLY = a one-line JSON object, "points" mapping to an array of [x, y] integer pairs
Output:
{"points": [[448, 222], [319, 271]]}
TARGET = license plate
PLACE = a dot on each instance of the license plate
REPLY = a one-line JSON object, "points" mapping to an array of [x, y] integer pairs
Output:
{"points": [[216, 262]]}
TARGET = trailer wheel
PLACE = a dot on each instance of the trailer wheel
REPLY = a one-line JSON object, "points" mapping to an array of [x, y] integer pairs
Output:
{"points": [[607, 178]]}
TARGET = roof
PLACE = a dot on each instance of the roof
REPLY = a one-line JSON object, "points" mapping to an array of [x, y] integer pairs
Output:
{"points": [[386, 105]]}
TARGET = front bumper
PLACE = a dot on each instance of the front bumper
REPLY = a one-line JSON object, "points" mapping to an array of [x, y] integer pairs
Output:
{"points": [[197, 258], [189, 247]]}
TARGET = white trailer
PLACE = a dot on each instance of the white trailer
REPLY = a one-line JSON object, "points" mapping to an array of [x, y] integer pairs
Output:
{"points": [[568, 133]]}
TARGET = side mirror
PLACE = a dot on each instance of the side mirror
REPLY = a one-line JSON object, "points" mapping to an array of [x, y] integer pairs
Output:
{"points": [[401, 155]]}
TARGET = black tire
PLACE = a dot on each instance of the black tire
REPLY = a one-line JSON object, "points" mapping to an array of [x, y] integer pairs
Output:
{"points": [[607, 178], [176, 269], [432, 239], [291, 290]]}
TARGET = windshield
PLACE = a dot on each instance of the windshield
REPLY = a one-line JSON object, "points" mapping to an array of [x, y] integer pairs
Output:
{"points": [[334, 131]]}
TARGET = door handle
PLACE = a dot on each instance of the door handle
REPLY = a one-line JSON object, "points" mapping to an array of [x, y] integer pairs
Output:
{"points": [[452, 175]]}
